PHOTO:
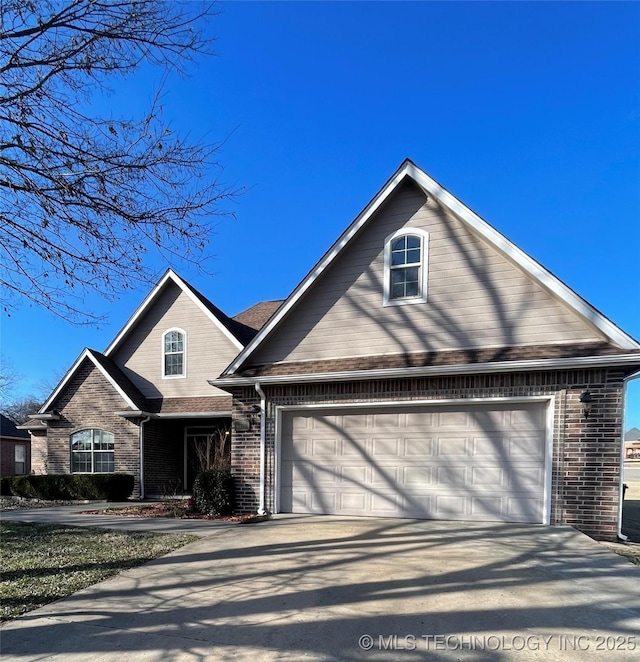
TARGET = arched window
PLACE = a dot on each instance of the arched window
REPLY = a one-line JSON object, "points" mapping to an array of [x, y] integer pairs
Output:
{"points": [[405, 267], [92, 452], [174, 347]]}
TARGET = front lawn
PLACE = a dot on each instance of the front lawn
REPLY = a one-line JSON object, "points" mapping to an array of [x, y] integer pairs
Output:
{"points": [[40, 563]]}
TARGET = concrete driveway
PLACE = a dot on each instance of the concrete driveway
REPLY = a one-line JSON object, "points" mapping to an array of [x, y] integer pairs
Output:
{"points": [[327, 588]]}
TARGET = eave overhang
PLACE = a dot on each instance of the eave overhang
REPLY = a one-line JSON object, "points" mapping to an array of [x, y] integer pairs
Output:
{"points": [[45, 416], [173, 415], [561, 292], [586, 362]]}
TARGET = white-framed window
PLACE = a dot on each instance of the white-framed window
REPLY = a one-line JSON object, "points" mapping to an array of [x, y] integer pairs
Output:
{"points": [[92, 452], [405, 267], [20, 459], [174, 353]]}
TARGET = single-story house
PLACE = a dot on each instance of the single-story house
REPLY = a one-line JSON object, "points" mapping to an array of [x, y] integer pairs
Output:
{"points": [[632, 444], [426, 367], [15, 449]]}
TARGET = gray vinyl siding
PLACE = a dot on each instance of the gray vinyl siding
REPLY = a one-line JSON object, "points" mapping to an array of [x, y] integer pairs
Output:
{"points": [[476, 297], [208, 351]]}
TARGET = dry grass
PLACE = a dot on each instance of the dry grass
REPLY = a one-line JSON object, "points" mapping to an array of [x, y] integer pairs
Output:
{"points": [[40, 563]]}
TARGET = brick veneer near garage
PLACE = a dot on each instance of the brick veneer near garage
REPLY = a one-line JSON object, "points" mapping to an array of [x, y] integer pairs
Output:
{"points": [[586, 477]]}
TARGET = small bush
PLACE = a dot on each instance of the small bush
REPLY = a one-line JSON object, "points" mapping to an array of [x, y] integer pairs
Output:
{"points": [[53, 487], [213, 492], [5, 486], [20, 486]]}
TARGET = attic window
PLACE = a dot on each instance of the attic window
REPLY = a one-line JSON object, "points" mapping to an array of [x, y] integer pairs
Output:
{"points": [[405, 267], [173, 353]]}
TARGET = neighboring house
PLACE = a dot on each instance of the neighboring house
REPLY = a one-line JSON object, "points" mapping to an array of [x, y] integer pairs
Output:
{"points": [[15, 449], [632, 444], [427, 367], [142, 404]]}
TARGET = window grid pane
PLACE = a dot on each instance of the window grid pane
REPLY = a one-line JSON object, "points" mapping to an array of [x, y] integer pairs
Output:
{"points": [[173, 353], [173, 342], [173, 364], [92, 451], [81, 463], [103, 462], [405, 283], [405, 250], [406, 262]]}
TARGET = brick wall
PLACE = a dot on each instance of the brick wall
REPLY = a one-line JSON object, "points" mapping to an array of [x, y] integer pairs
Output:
{"points": [[39, 452], [589, 449], [7, 456], [245, 451], [89, 401], [163, 457], [586, 453]]}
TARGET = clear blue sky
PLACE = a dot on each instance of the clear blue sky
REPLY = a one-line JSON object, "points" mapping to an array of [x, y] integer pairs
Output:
{"points": [[528, 112]]}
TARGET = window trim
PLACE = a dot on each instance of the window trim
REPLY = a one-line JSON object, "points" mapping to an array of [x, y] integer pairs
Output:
{"points": [[92, 451], [23, 462], [423, 267], [183, 374]]}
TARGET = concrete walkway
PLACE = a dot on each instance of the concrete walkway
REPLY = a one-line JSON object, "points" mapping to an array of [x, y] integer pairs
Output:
{"points": [[73, 515], [327, 588]]}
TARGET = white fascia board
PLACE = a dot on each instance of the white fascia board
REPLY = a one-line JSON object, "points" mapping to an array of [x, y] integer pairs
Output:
{"points": [[408, 169], [322, 265], [189, 414], [534, 269], [583, 362], [138, 312], [63, 381], [221, 327], [135, 413], [170, 275], [197, 414], [86, 354]]}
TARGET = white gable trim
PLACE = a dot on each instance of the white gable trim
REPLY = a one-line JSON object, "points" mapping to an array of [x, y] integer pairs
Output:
{"points": [[170, 275], [312, 276], [545, 278], [551, 283], [86, 354]]}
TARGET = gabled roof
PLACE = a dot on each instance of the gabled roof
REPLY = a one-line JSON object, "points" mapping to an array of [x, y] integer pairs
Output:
{"points": [[236, 332], [120, 382], [475, 224], [632, 435], [259, 314], [8, 430]]}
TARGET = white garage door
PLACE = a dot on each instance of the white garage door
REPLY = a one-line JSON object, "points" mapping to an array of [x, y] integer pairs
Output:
{"points": [[479, 462]]}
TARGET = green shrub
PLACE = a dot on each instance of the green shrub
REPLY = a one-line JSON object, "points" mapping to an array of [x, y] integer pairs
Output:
{"points": [[213, 492], [53, 487], [5, 486]]}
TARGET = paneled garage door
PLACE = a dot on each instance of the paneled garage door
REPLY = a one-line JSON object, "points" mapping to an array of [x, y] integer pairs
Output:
{"points": [[479, 462]]}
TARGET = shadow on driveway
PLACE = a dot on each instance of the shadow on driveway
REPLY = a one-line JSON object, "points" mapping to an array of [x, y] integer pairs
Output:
{"points": [[305, 587]]}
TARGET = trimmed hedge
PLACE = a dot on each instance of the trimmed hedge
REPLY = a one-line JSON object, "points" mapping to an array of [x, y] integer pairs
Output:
{"points": [[5, 486], [213, 492], [53, 487]]}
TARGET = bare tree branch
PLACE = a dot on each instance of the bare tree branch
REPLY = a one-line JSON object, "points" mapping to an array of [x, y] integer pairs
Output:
{"points": [[84, 197]]}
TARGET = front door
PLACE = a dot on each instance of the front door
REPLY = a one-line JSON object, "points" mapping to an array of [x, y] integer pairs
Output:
{"points": [[206, 447]]}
